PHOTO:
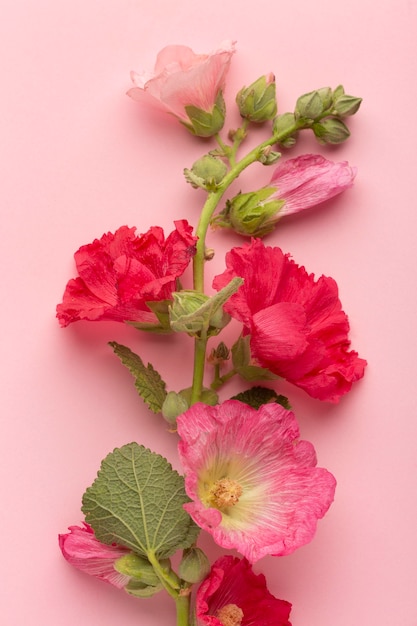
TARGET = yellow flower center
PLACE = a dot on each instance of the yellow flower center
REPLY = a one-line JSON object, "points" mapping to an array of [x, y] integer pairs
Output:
{"points": [[224, 493], [230, 615]]}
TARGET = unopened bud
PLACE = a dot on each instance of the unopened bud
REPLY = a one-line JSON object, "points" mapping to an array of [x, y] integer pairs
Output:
{"points": [[257, 102], [346, 105], [194, 566], [309, 106], [253, 214], [331, 130], [173, 406], [207, 172]]}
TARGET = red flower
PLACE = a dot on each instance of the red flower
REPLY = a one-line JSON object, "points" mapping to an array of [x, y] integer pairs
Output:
{"points": [[82, 550], [233, 594], [120, 272], [297, 326]]}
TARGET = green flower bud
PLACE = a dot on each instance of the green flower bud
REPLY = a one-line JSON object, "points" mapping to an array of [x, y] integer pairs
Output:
{"points": [[326, 96], [331, 130], [284, 123], [186, 314], [257, 102], [207, 172], [253, 214], [194, 565], [206, 123], [137, 568], [346, 105], [309, 106], [173, 405]]}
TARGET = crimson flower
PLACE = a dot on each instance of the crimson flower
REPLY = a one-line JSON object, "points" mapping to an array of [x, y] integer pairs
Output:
{"points": [[297, 326], [187, 85], [233, 595], [253, 484], [82, 550], [121, 272]]}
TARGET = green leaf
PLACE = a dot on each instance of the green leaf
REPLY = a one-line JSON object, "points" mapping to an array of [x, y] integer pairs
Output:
{"points": [[257, 396], [241, 357], [137, 501], [254, 372], [148, 381]]}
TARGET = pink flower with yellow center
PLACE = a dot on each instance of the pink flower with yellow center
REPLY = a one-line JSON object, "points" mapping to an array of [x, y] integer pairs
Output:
{"points": [[233, 595], [82, 550], [253, 484], [184, 84]]}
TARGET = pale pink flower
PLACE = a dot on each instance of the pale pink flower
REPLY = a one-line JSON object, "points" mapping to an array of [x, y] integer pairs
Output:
{"points": [[308, 180], [184, 79], [82, 550], [253, 484]]}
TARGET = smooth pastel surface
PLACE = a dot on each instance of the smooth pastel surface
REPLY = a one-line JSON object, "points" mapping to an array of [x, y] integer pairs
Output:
{"points": [[79, 159]]}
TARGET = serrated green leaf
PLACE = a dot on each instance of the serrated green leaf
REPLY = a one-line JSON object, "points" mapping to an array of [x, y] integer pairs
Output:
{"points": [[137, 501], [148, 381], [257, 396]]}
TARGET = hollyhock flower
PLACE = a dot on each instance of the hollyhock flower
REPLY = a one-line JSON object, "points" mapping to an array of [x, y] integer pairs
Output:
{"points": [[120, 272], [254, 486], [297, 326], [81, 548], [188, 85], [296, 185], [308, 180], [233, 595]]}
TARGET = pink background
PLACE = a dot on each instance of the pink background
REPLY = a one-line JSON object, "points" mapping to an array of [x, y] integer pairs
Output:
{"points": [[78, 159]]}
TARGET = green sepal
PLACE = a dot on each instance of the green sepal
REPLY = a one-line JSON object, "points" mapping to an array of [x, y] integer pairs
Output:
{"points": [[148, 382], [138, 568], [208, 396], [252, 373], [193, 312], [206, 123], [160, 309], [257, 396], [137, 501], [241, 359], [142, 590]]}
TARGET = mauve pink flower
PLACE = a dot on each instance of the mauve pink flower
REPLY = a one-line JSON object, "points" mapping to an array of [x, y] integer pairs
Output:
{"points": [[81, 548], [308, 180], [120, 272], [182, 78], [231, 590], [297, 326], [254, 486]]}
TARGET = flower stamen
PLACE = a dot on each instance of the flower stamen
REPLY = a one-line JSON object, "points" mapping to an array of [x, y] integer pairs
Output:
{"points": [[230, 615], [224, 493]]}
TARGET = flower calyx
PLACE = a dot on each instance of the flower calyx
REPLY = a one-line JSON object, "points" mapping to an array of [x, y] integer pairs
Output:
{"points": [[258, 103], [251, 214], [206, 173]]}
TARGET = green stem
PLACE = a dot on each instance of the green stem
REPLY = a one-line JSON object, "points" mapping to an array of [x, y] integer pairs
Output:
{"points": [[200, 345], [209, 207], [170, 580], [183, 609], [219, 381]]}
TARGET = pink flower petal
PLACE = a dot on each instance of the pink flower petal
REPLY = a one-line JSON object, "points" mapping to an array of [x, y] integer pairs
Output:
{"points": [[283, 493], [309, 346]]}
